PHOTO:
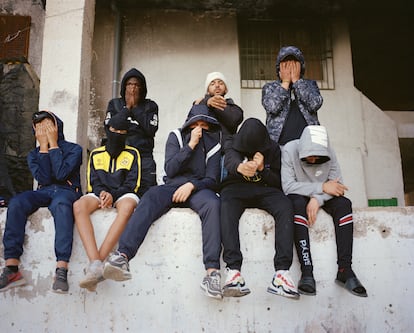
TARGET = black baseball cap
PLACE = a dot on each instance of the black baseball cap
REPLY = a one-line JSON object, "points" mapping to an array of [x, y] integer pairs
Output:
{"points": [[38, 116]]}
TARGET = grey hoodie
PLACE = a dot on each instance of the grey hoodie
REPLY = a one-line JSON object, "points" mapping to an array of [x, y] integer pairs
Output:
{"points": [[300, 177]]}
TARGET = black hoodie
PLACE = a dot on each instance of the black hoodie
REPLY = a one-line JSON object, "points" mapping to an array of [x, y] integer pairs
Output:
{"points": [[143, 118], [252, 137]]}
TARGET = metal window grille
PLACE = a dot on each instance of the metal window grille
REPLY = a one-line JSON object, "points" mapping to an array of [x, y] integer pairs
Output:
{"points": [[14, 37], [260, 42]]}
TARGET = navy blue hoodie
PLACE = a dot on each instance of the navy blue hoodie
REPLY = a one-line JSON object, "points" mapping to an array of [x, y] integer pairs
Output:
{"points": [[200, 166], [61, 166]]}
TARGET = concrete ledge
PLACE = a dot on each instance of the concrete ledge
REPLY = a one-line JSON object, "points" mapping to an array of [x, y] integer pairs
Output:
{"points": [[164, 294]]}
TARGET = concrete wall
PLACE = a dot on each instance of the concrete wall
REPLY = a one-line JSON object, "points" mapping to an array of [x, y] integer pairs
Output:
{"points": [[164, 294], [175, 50]]}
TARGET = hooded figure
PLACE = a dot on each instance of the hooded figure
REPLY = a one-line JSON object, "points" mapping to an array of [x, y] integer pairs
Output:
{"points": [[312, 179], [292, 52], [291, 102], [60, 165], [252, 160], [55, 165], [302, 177], [251, 138], [206, 174], [142, 115]]}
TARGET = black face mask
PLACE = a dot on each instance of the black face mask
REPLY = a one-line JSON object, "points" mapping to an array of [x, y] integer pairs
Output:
{"points": [[115, 144]]}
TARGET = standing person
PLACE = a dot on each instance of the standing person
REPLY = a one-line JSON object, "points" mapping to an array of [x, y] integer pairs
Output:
{"points": [[253, 181], [223, 109], [291, 102], [192, 166], [142, 114], [113, 180], [311, 177], [55, 165]]}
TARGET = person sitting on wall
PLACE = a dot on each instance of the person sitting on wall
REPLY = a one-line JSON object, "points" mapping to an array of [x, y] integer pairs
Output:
{"points": [[252, 160], [223, 109], [291, 102], [113, 181], [192, 166], [142, 114], [312, 179], [55, 165]]}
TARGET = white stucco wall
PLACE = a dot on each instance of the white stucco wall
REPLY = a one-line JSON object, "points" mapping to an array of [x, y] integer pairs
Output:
{"points": [[164, 293]]}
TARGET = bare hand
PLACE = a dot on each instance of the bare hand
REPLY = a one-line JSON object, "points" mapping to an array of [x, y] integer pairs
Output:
{"points": [[334, 187], [295, 70], [312, 210], [196, 134], [217, 102], [106, 199], [183, 192], [41, 137], [259, 159], [247, 169], [52, 134], [285, 73], [131, 97]]}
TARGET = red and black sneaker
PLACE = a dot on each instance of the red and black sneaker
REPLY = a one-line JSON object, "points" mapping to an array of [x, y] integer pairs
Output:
{"points": [[9, 279]]}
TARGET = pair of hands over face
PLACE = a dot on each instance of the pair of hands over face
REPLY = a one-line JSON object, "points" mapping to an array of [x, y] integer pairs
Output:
{"points": [[46, 133], [289, 72]]}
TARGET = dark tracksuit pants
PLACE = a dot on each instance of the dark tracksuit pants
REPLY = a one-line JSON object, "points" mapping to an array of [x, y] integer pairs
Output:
{"points": [[59, 199], [156, 202], [148, 174], [340, 208], [235, 198]]}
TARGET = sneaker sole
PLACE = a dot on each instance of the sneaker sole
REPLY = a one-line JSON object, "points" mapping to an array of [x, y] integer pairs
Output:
{"points": [[89, 284], [14, 284], [114, 273], [60, 291], [281, 292], [235, 292]]}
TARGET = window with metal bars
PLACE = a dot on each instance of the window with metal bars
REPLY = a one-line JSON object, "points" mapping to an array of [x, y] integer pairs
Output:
{"points": [[14, 37], [261, 40]]}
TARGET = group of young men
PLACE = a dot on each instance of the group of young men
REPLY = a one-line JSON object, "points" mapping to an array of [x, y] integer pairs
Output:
{"points": [[286, 168]]}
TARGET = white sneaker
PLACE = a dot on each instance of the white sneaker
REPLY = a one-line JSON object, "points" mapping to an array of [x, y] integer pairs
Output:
{"points": [[93, 276], [234, 285], [282, 284]]}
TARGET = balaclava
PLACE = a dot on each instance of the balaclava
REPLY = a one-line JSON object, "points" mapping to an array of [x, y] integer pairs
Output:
{"points": [[116, 141]]}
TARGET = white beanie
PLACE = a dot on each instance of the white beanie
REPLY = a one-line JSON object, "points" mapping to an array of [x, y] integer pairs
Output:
{"points": [[213, 76]]}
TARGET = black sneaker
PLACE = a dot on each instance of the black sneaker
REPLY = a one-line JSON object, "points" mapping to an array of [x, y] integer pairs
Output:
{"points": [[60, 285], [9, 279]]}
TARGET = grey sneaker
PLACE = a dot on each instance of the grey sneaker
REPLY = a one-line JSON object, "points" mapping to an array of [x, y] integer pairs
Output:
{"points": [[211, 285], [8, 279], [234, 285], [117, 268], [282, 284], [93, 276], [60, 285]]}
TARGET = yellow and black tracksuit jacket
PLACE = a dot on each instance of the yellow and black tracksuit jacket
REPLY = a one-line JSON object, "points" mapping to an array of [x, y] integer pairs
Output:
{"points": [[116, 176]]}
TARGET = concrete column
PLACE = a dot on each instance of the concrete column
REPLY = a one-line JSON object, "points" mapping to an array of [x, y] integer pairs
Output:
{"points": [[66, 64]]}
